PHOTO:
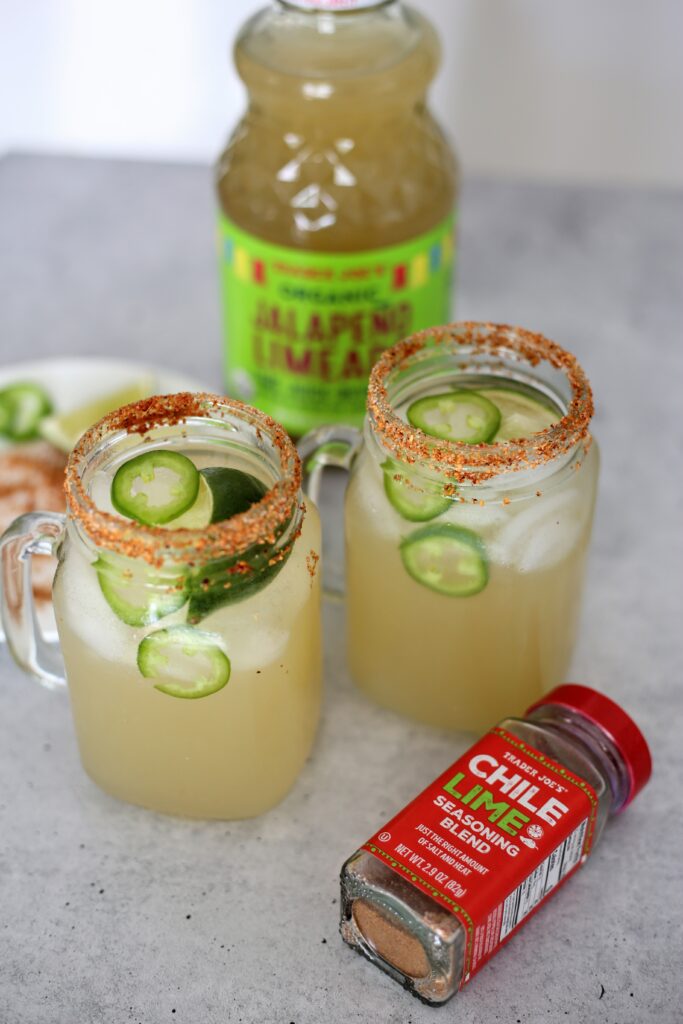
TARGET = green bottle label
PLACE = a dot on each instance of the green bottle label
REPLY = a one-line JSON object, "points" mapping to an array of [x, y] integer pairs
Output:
{"points": [[303, 328]]}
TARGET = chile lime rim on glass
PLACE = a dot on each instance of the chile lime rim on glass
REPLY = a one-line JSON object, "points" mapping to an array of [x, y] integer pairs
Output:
{"points": [[272, 517], [459, 461]]}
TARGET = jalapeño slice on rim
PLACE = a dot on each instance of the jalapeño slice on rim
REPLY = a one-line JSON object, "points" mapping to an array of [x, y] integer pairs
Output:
{"points": [[186, 662], [463, 415], [448, 559], [155, 487], [411, 501]]}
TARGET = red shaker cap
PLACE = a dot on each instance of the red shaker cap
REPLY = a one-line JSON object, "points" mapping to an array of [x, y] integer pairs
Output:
{"points": [[613, 720]]}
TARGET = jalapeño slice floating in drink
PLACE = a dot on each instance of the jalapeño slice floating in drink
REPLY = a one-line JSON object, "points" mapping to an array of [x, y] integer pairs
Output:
{"points": [[155, 487], [456, 416], [446, 558], [139, 600], [414, 501], [186, 662]]}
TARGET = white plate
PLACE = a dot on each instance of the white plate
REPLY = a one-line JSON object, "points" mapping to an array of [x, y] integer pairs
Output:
{"points": [[73, 382]]}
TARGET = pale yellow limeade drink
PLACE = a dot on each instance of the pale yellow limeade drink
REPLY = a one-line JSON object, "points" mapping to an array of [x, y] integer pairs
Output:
{"points": [[191, 643], [468, 517], [337, 192]]}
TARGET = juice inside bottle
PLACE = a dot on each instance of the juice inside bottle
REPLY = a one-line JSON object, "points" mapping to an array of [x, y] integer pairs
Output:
{"points": [[336, 192]]}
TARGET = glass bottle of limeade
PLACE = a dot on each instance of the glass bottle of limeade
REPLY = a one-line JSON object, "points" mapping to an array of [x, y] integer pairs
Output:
{"points": [[467, 518], [336, 194], [187, 605]]}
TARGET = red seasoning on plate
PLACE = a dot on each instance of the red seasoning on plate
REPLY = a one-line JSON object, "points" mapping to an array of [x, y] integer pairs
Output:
{"points": [[437, 890]]}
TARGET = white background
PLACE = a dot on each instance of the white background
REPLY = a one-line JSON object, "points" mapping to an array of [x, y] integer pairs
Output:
{"points": [[550, 89]]}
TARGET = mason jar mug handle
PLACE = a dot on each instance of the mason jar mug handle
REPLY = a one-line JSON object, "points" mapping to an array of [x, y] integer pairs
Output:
{"points": [[332, 446], [36, 533]]}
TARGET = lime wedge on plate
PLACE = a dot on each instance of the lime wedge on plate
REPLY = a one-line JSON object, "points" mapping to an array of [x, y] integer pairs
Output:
{"points": [[65, 428]]}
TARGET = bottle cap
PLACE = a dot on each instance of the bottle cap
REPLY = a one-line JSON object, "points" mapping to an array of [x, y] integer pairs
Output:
{"points": [[613, 721]]}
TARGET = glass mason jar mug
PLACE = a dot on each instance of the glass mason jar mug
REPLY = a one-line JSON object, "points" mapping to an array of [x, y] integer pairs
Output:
{"points": [[192, 646], [468, 515]]}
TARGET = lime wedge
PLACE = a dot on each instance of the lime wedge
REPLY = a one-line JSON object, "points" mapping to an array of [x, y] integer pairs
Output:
{"points": [[233, 491], [199, 514], [64, 429], [521, 415], [223, 492]]}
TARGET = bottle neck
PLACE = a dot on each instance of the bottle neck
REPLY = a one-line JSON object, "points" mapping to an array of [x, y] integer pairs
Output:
{"points": [[594, 743], [334, 6], [333, 70]]}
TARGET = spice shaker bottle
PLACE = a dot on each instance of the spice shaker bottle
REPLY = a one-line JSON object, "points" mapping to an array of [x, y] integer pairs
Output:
{"points": [[434, 893]]}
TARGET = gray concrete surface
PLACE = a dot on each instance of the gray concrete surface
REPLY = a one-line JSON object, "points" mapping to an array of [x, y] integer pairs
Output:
{"points": [[111, 915]]}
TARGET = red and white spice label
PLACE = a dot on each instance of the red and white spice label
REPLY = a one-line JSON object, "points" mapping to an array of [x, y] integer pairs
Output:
{"points": [[492, 838]]}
